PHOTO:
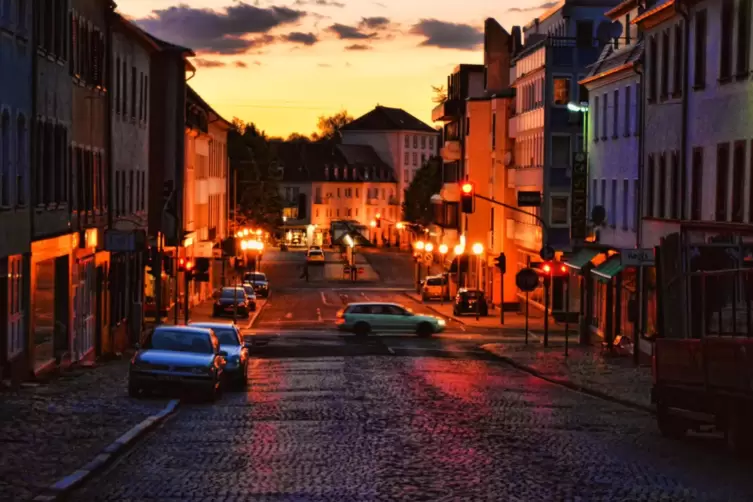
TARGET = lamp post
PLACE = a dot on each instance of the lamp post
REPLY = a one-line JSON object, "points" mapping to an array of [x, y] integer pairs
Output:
{"points": [[443, 252], [419, 246]]}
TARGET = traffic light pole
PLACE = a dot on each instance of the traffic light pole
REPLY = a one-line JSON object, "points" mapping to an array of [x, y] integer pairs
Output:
{"points": [[517, 209], [187, 274], [157, 267], [547, 283]]}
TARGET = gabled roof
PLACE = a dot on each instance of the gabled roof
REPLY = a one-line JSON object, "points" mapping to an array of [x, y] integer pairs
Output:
{"points": [[307, 162], [612, 61], [383, 118]]}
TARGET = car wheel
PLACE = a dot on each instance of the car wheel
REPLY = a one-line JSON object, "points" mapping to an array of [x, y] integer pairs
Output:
{"points": [[425, 330], [362, 329], [133, 390]]}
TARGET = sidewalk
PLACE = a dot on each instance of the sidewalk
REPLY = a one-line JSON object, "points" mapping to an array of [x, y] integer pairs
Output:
{"points": [[48, 431], [513, 320], [588, 369]]}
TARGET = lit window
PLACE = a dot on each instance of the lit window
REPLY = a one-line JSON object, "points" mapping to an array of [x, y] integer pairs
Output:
{"points": [[561, 91], [559, 210]]}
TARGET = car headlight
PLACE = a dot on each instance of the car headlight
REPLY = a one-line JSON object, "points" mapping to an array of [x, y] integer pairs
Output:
{"points": [[441, 322]]}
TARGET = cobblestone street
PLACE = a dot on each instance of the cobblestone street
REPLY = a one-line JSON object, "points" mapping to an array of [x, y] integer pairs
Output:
{"points": [[414, 428], [49, 430]]}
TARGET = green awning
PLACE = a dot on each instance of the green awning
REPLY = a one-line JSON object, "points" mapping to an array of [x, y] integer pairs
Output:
{"points": [[610, 268], [581, 258]]}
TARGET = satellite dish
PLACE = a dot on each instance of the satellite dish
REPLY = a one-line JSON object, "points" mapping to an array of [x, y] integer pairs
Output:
{"points": [[508, 159], [598, 215]]}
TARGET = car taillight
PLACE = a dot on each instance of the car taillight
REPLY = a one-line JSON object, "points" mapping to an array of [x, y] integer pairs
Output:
{"points": [[340, 314]]}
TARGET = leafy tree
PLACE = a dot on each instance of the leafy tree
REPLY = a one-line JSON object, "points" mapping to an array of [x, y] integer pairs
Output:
{"points": [[297, 138], [440, 94], [417, 207], [328, 127]]}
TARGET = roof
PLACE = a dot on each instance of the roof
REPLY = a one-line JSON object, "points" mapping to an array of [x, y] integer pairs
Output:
{"points": [[192, 94], [383, 118], [307, 162], [142, 36], [612, 61]]}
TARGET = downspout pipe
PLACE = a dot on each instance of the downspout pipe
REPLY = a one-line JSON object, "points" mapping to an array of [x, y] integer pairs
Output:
{"points": [[684, 11]]}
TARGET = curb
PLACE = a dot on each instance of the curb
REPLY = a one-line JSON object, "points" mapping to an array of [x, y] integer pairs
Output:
{"points": [[572, 385], [60, 489], [436, 311], [252, 319]]}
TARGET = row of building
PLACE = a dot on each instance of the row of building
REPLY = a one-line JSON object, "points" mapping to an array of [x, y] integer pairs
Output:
{"points": [[629, 117], [105, 151]]}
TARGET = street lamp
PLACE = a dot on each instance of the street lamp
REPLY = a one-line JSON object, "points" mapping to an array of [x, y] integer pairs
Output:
{"points": [[459, 249], [583, 108], [399, 225], [429, 247], [478, 248], [372, 224], [419, 245]]}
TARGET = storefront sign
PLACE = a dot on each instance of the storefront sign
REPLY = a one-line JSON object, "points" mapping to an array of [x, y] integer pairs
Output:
{"points": [[579, 197], [203, 249], [529, 199], [637, 257]]}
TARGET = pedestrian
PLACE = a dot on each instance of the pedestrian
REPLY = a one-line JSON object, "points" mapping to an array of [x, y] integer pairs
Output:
{"points": [[305, 273]]}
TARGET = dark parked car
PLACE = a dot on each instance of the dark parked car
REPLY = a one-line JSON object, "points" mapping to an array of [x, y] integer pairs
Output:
{"points": [[231, 342], [183, 357], [228, 299], [470, 301], [259, 282]]}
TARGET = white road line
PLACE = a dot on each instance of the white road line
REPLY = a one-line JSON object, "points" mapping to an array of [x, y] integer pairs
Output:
{"points": [[324, 299], [390, 350], [364, 296]]}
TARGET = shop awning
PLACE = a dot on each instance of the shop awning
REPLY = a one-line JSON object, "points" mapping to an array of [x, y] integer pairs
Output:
{"points": [[610, 268], [581, 258]]}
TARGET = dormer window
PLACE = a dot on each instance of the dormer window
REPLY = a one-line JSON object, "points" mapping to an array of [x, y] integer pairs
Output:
{"points": [[354, 173], [336, 172], [345, 173], [326, 172]]}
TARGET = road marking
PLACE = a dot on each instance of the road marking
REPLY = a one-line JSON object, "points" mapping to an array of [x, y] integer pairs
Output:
{"points": [[390, 350], [364, 296], [324, 299]]}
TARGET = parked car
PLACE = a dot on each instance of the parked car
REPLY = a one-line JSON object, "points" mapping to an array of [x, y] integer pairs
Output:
{"points": [[365, 318], [470, 301], [315, 256], [248, 288], [435, 286], [259, 282], [184, 357], [227, 299], [315, 248], [231, 342]]}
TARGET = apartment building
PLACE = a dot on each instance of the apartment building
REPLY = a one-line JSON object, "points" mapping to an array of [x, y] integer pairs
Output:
{"points": [[16, 102], [324, 183], [613, 145], [402, 141], [558, 47]]}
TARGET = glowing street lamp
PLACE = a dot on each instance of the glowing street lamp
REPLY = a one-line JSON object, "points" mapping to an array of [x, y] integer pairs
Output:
{"points": [[429, 247], [478, 248], [245, 231], [420, 245], [372, 224], [459, 249], [244, 245], [443, 249], [258, 232], [399, 225]]}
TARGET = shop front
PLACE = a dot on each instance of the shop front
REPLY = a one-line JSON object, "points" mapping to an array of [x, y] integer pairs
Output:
{"points": [[90, 330], [614, 292], [579, 266]]}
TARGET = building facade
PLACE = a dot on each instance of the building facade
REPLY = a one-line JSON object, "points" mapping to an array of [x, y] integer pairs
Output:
{"points": [[401, 140], [326, 185], [16, 103], [613, 148]]}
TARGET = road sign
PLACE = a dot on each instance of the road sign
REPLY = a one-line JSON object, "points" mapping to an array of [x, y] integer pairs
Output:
{"points": [[527, 280], [428, 258], [637, 257], [529, 199], [547, 253], [579, 197]]}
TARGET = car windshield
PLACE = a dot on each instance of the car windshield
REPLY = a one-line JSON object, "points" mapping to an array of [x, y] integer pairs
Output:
{"points": [[180, 341], [233, 292], [434, 281], [255, 277], [227, 336]]}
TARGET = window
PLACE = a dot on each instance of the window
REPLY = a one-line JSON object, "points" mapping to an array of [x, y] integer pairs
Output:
{"points": [[604, 113], [124, 89], [636, 196], [582, 94], [5, 164], [423, 141], [593, 196], [14, 307], [21, 160], [561, 91], [117, 85], [596, 111], [133, 92], [407, 141], [625, 199], [146, 114], [743, 39], [613, 206], [423, 159], [405, 176], [415, 141], [467, 126], [338, 193], [664, 93], [561, 155], [628, 104], [637, 129], [662, 204], [431, 144], [722, 166], [616, 114], [650, 180], [415, 158], [738, 187], [699, 77], [653, 65], [358, 193], [677, 62], [584, 32], [559, 210], [407, 159], [725, 44], [675, 196], [696, 195]]}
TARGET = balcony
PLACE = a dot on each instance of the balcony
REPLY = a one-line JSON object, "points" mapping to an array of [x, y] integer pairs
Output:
{"points": [[529, 176], [526, 121], [451, 151], [448, 111], [451, 172], [372, 202], [450, 192]]}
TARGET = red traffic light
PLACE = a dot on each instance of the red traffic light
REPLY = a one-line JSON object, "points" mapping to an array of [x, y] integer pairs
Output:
{"points": [[563, 269], [378, 215], [467, 188], [546, 268], [189, 265]]}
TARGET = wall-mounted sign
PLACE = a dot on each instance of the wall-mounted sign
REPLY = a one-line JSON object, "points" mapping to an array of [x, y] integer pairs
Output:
{"points": [[529, 199], [579, 197], [637, 257]]}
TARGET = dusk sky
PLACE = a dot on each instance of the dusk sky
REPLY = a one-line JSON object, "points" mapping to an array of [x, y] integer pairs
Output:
{"points": [[283, 63]]}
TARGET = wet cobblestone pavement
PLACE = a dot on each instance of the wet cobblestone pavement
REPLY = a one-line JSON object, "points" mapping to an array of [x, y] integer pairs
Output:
{"points": [[50, 430], [378, 428]]}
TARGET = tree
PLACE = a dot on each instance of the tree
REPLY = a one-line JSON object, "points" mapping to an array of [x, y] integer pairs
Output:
{"points": [[440, 94], [328, 127], [297, 138], [417, 207]]}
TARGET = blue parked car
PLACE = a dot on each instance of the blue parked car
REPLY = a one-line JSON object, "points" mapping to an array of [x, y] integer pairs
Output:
{"points": [[231, 341]]}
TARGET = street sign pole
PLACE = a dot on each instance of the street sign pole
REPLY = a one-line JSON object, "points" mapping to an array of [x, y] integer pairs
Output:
{"points": [[567, 314], [546, 312], [185, 313], [502, 300], [526, 317]]}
